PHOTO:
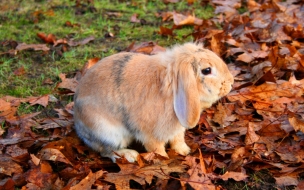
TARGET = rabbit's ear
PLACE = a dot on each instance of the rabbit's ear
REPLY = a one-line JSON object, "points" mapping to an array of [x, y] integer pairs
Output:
{"points": [[186, 95]]}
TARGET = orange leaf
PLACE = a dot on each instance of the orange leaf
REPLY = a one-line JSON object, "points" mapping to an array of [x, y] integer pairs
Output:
{"points": [[50, 38], [20, 71], [88, 181], [237, 176]]}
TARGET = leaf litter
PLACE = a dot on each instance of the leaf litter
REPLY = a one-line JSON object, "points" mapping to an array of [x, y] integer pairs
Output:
{"points": [[258, 127]]}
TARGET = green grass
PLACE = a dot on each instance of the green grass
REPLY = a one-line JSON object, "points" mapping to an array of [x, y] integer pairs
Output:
{"points": [[22, 20]]}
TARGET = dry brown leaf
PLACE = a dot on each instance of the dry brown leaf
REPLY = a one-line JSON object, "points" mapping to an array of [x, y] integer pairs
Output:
{"points": [[88, 65], [9, 184], [146, 48], [284, 181], [40, 180], [202, 162], [265, 95], [20, 71], [296, 123], [251, 136], [43, 100], [45, 167], [144, 174], [1, 131], [88, 181], [4, 105], [69, 24], [53, 154], [68, 83], [232, 3], [165, 31], [300, 185], [170, 1], [134, 18], [17, 153], [50, 38], [180, 19], [35, 160], [228, 11], [10, 141], [237, 159], [81, 42], [215, 45], [253, 5], [245, 57], [8, 166], [197, 178], [237, 176], [36, 47], [223, 114]]}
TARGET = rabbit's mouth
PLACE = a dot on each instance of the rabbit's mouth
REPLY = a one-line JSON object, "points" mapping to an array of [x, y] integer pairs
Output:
{"points": [[225, 89]]}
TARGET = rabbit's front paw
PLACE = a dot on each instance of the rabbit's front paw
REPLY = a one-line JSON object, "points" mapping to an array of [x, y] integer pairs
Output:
{"points": [[129, 154], [181, 148]]}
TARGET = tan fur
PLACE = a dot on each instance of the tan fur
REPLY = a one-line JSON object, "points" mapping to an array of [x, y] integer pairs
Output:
{"points": [[151, 99]]}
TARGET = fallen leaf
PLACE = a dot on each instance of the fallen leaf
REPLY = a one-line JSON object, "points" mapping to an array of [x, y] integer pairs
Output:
{"points": [[300, 185], [245, 57], [296, 123], [88, 65], [88, 181], [284, 181], [165, 31], [237, 159], [143, 174], [68, 83], [146, 48], [45, 167], [43, 100], [4, 105], [251, 136], [36, 47], [8, 185], [35, 160], [50, 38], [48, 81], [53, 154], [39, 179], [69, 24], [237, 176], [17, 153], [8, 166], [197, 179], [20, 71], [81, 42], [180, 20], [134, 18]]}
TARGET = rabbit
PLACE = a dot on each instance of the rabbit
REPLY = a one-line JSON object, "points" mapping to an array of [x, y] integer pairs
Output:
{"points": [[152, 99]]}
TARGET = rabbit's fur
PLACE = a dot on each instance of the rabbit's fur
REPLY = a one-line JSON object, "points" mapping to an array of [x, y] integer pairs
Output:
{"points": [[149, 98]]}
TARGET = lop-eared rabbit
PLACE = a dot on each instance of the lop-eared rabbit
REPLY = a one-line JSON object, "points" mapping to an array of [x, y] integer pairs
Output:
{"points": [[152, 99]]}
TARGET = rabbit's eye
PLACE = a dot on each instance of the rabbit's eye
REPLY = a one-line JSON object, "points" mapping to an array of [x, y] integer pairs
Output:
{"points": [[206, 71]]}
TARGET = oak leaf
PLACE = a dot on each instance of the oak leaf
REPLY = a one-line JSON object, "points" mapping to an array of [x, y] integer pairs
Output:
{"points": [[68, 83], [88, 181], [197, 178], [237, 176], [286, 181], [142, 175]]}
